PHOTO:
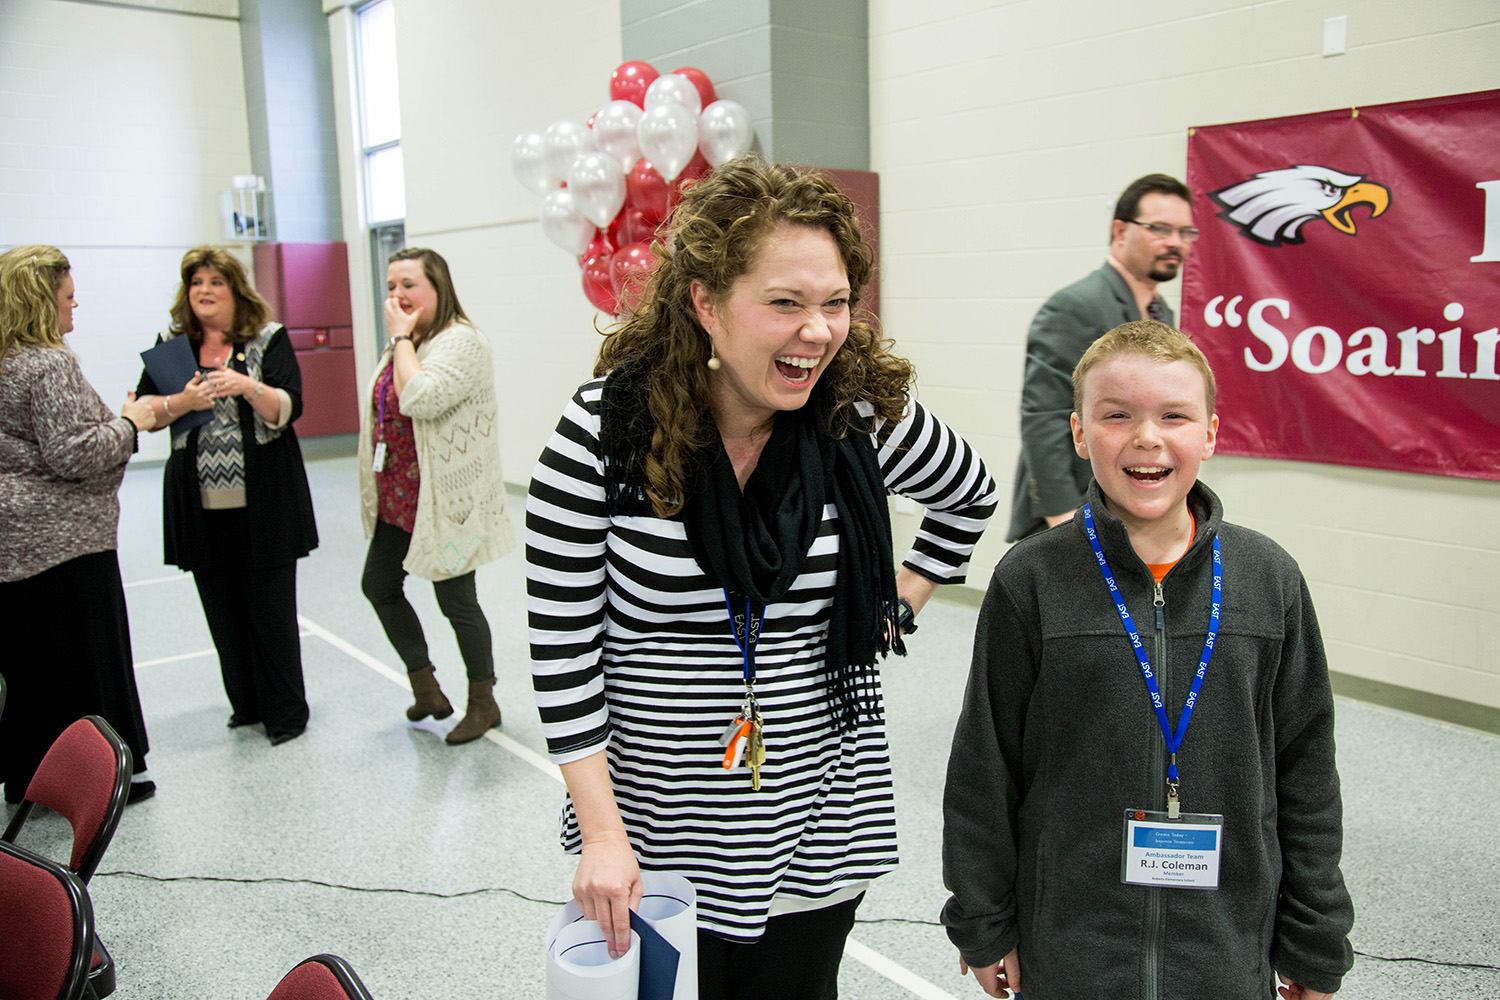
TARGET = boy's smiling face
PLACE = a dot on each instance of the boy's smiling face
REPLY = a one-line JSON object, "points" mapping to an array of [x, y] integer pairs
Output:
{"points": [[1145, 428]]}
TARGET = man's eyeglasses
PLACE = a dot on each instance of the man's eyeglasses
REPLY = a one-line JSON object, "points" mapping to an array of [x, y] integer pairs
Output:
{"points": [[1188, 234]]}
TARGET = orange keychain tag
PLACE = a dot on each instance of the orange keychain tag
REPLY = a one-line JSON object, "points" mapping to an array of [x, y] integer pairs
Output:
{"points": [[734, 752]]}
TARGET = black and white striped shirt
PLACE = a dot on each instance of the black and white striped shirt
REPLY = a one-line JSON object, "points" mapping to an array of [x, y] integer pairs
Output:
{"points": [[632, 650]]}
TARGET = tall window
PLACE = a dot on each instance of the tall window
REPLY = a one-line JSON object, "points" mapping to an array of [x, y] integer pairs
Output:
{"points": [[380, 135], [380, 112]]}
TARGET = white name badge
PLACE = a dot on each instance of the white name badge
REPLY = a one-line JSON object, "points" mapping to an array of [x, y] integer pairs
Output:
{"points": [[1178, 854], [379, 464]]}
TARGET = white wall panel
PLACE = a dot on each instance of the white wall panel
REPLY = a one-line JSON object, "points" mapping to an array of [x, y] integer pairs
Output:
{"points": [[1003, 133], [474, 74], [118, 129]]}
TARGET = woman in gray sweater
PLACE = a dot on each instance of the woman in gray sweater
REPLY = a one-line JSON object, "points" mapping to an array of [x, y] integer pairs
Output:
{"points": [[62, 457]]}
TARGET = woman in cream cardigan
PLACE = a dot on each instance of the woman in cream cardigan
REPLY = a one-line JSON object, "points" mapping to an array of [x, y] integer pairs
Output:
{"points": [[431, 492]]}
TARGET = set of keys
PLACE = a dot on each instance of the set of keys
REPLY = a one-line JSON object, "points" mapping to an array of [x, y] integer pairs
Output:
{"points": [[744, 741]]}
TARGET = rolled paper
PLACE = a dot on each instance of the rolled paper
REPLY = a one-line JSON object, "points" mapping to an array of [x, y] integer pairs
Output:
{"points": [[578, 963], [579, 966]]}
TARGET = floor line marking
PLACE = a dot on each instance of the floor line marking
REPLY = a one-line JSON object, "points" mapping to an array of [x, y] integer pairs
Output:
{"points": [[173, 659], [898, 974], [159, 579], [863, 954], [191, 656]]}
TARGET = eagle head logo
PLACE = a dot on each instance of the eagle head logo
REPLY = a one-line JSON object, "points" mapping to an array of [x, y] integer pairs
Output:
{"points": [[1271, 207]]}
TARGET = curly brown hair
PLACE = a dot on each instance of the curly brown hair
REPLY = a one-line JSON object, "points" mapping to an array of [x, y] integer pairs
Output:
{"points": [[250, 310], [713, 238], [30, 277]]}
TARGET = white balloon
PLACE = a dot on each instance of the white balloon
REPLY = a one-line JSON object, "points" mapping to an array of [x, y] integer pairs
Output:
{"points": [[563, 140], [668, 134], [673, 88], [528, 158], [614, 132], [724, 131], [563, 224], [598, 186]]}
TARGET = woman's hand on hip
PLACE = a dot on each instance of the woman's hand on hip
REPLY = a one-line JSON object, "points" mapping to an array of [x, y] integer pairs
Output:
{"points": [[608, 886]]}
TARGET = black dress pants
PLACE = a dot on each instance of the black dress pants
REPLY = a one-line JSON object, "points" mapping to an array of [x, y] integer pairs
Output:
{"points": [[457, 599], [796, 959], [252, 616], [66, 654]]}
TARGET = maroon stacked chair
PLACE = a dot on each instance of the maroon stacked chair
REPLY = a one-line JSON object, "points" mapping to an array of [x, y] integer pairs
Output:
{"points": [[322, 977], [46, 928], [85, 778]]}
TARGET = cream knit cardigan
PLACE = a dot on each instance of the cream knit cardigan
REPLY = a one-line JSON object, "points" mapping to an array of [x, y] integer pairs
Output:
{"points": [[461, 520]]}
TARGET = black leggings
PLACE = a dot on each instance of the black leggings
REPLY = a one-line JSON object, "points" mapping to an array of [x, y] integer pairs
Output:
{"points": [[796, 959], [456, 598]]}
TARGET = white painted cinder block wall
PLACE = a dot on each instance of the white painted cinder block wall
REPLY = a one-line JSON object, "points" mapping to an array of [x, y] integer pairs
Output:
{"points": [[1004, 132], [118, 129], [472, 76]]}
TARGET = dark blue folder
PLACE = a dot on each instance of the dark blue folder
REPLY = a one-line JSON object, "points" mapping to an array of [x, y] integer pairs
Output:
{"points": [[658, 961], [171, 364]]}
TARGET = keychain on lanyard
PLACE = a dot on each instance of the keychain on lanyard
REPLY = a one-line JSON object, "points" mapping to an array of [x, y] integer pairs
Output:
{"points": [[743, 740], [1174, 796]]}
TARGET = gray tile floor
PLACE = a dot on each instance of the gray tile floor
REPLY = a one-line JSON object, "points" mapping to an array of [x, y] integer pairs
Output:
{"points": [[435, 870]]}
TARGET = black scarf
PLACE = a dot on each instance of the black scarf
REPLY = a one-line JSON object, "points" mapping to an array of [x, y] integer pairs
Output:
{"points": [[755, 543]]}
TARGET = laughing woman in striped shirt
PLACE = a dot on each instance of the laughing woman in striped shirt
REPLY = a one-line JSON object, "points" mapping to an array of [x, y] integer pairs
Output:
{"points": [[711, 582]]}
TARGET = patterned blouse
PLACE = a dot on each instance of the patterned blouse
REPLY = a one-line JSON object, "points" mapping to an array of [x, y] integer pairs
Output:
{"points": [[396, 484]]}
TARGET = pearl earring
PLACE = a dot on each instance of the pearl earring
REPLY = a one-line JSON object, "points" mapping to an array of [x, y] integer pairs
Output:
{"points": [[713, 358]]}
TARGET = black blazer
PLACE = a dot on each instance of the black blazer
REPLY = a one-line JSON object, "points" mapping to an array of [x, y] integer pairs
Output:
{"points": [[277, 499]]}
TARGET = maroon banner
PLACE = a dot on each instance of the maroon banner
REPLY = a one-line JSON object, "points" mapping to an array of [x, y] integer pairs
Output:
{"points": [[1346, 287]]}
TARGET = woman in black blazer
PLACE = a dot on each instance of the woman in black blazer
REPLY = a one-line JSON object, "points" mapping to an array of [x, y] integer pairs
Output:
{"points": [[237, 511]]}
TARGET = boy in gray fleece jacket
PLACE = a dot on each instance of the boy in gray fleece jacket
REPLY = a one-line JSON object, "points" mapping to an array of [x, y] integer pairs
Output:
{"points": [[1096, 844]]}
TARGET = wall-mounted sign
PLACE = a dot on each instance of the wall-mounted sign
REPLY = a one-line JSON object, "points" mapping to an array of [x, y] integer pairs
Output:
{"points": [[1346, 287]]}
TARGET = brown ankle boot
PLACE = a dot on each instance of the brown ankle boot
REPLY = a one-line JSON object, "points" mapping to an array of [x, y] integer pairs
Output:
{"points": [[430, 698], [481, 714]]}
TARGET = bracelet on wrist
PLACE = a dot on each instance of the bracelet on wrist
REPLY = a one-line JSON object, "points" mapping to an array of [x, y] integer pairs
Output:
{"points": [[260, 388], [166, 405]]}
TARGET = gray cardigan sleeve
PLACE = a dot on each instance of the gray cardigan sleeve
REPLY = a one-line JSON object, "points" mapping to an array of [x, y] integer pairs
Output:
{"points": [[76, 433]]}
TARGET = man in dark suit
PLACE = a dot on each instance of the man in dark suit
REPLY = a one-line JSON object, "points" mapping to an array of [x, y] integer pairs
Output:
{"points": [[1148, 242]]}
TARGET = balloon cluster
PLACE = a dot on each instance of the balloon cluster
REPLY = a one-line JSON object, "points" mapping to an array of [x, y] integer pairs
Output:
{"points": [[608, 185]]}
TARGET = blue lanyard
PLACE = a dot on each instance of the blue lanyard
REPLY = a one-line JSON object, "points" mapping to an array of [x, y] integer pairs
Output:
{"points": [[1173, 741], [745, 625]]}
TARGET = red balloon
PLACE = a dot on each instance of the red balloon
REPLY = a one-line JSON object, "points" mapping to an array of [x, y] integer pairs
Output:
{"points": [[632, 226], [647, 190], [696, 168], [597, 284], [628, 270], [629, 81], [600, 245], [700, 80]]}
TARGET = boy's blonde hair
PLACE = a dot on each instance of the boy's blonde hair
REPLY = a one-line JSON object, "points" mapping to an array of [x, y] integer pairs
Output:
{"points": [[1147, 337]]}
